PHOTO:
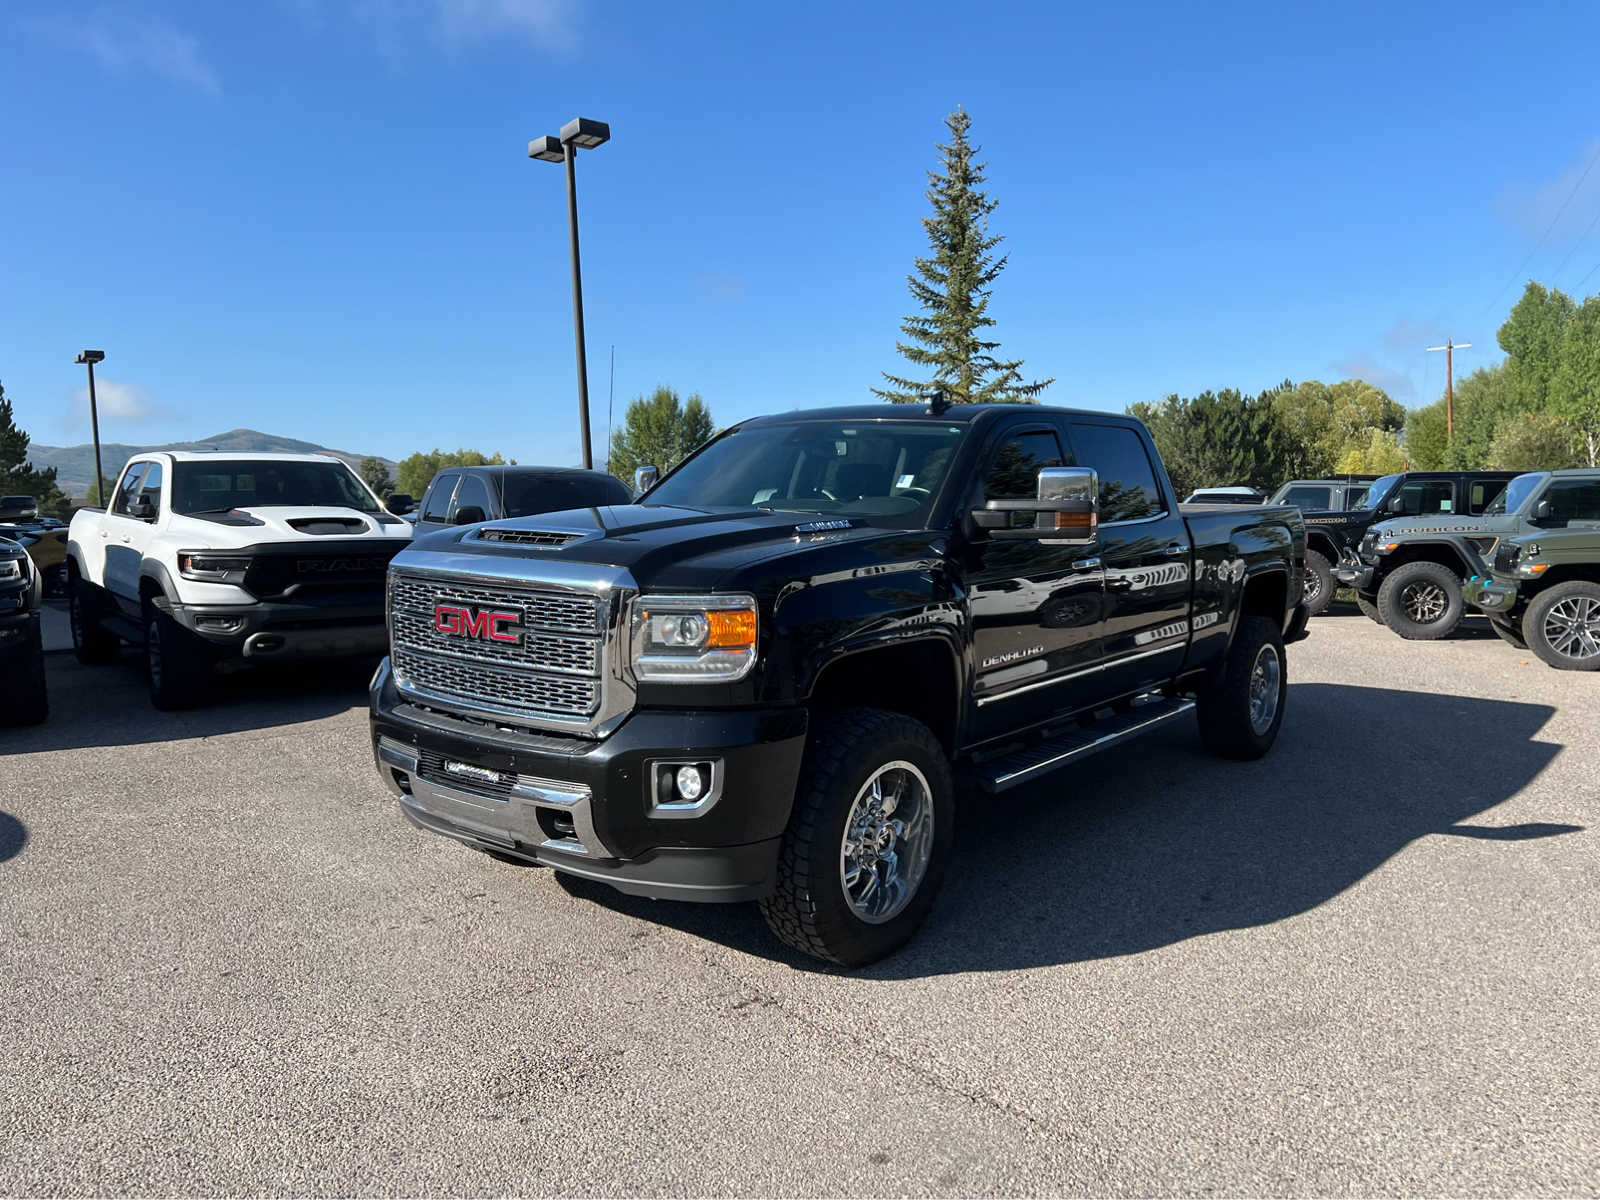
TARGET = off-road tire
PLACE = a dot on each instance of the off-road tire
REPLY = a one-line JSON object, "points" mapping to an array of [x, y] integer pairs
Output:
{"points": [[1369, 608], [1224, 706], [23, 699], [1319, 584], [1508, 631], [93, 645], [1392, 601], [1573, 593], [177, 667], [808, 910]]}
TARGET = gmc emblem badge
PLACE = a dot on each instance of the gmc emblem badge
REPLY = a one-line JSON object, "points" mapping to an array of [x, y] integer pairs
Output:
{"points": [[478, 624]]}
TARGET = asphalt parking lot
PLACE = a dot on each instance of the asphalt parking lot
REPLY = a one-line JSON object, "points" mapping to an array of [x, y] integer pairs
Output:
{"points": [[1367, 964]]}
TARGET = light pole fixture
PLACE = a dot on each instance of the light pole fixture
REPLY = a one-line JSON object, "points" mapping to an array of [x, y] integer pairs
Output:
{"points": [[88, 358], [579, 134]]}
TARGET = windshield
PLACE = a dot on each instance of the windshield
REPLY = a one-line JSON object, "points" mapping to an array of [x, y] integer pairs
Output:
{"points": [[885, 471], [527, 495], [1378, 491], [238, 483], [1518, 490]]}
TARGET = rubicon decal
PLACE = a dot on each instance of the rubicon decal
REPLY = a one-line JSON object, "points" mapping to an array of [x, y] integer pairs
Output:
{"points": [[478, 624]]}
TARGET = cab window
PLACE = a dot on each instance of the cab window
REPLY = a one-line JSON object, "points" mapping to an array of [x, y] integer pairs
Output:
{"points": [[1128, 488], [1425, 497], [1574, 500], [436, 504], [1314, 498], [129, 488], [1483, 493], [150, 487], [473, 493]]}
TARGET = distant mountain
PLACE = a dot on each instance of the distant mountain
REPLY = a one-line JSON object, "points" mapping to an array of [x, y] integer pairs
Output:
{"points": [[75, 464]]}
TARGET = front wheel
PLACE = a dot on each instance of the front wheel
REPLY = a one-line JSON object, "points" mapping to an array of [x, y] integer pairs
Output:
{"points": [[176, 666], [1242, 709], [1366, 605], [1562, 626], [23, 700], [1421, 601], [869, 839], [1319, 586]]}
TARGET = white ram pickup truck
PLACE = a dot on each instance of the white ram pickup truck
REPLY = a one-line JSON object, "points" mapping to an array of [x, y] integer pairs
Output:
{"points": [[204, 558]]}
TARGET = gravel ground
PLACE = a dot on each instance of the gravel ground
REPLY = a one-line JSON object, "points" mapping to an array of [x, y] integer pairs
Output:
{"points": [[1368, 964]]}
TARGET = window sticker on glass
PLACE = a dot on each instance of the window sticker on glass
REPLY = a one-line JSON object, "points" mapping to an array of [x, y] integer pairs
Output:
{"points": [[905, 481], [1446, 505]]}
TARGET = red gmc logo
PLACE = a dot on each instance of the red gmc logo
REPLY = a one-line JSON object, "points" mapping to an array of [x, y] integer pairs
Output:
{"points": [[483, 624]]}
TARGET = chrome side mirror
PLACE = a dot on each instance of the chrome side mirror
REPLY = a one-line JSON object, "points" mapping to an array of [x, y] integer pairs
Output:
{"points": [[1066, 510], [644, 479]]}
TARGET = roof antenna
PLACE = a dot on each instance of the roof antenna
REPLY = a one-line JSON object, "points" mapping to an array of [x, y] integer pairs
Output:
{"points": [[938, 401]]}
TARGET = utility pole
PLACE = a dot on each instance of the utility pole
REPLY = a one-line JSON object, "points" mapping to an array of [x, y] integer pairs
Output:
{"points": [[1449, 349]]}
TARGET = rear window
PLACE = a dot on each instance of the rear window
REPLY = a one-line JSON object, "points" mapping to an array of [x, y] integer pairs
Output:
{"points": [[1128, 488], [1317, 498], [528, 495]]}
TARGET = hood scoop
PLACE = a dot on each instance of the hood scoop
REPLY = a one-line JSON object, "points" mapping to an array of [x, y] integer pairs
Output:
{"points": [[527, 537], [336, 526]]}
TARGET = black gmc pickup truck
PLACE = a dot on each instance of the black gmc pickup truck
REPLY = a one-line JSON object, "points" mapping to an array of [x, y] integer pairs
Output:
{"points": [[761, 681]]}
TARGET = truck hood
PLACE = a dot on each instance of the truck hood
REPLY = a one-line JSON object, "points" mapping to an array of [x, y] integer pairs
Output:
{"points": [[270, 523], [1438, 525], [659, 546]]}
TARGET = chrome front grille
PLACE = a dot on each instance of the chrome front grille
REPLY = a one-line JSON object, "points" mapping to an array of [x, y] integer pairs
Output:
{"points": [[553, 675]]}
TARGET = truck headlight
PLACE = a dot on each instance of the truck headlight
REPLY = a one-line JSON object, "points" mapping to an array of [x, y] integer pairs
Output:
{"points": [[10, 568], [212, 568], [693, 639]]}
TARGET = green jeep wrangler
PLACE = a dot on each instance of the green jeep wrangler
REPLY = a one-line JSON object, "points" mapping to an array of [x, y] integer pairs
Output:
{"points": [[1544, 594]]}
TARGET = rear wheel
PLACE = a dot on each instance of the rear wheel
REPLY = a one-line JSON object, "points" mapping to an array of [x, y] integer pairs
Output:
{"points": [[94, 646], [23, 700], [868, 841], [176, 665], [1242, 710], [1421, 601], [1319, 584], [1562, 626]]}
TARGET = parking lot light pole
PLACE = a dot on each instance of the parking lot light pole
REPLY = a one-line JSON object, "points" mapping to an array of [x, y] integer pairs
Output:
{"points": [[88, 358], [579, 134]]}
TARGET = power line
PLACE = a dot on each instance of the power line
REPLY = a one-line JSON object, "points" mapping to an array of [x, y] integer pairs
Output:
{"points": [[1556, 274], [1578, 290], [1515, 275]]}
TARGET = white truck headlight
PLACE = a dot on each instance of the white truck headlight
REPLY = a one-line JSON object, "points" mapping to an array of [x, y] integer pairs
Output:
{"points": [[212, 568], [693, 639]]}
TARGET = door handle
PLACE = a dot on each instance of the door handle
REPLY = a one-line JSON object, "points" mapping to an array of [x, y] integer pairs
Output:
{"points": [[1176, 548], [1087, 564]]}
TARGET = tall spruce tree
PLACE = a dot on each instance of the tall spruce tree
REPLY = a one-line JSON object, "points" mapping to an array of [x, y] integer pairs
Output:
{"points": [[953, 287]]}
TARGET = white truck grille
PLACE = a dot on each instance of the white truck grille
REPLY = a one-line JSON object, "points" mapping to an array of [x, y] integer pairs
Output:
{"points": [[551, 675]]}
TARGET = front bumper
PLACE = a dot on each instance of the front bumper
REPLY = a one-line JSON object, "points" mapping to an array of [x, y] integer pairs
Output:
{"points": [[585, 807], [278, 631], [1353, 572], [1491, 595]]}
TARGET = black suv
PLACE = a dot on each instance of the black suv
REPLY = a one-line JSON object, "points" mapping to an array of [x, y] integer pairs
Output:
{"points": [[22, 694], [471, 495], [1332, 536]]}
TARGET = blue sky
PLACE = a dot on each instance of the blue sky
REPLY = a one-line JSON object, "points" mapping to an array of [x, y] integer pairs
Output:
{"points": [[316, 217]]}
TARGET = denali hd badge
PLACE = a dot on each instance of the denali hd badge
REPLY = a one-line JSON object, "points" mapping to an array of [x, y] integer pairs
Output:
{"points": [[996, 660], [478, 624]]}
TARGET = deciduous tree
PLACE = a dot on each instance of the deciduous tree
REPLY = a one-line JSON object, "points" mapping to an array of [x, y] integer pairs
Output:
{"points": [[417, 471], [376, 476], [658, 430], [1535, 442]]}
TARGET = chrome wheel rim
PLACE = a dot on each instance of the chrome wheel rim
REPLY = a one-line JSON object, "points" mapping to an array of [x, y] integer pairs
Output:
{"points": [[1572, 628], [152, 642], [1313, 587], [888, 840], [1424, 602], [1265, 678]]}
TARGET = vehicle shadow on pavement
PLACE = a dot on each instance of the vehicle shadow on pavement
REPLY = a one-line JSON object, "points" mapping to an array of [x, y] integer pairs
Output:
{"points": [[13, 836], [1155, 842], [110, 706]]}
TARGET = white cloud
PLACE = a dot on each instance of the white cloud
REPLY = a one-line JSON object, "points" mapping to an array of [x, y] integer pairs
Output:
{"points": [[115, 401], [128, 42], [1398, 384], [549, 23], [1407, 335], [1571, 201]]}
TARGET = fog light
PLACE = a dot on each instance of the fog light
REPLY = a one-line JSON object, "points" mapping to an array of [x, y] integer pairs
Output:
{"points": [[691, 783]]}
